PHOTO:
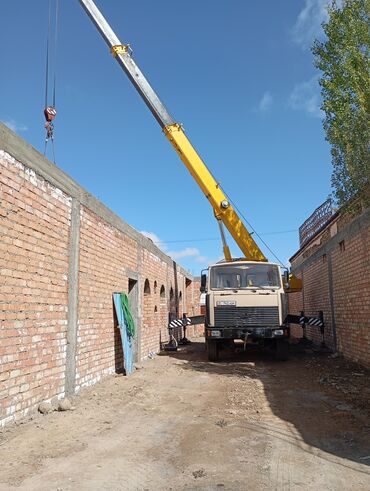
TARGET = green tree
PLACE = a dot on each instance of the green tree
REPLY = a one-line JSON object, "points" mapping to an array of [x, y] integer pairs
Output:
{"points": [[343, 59]]}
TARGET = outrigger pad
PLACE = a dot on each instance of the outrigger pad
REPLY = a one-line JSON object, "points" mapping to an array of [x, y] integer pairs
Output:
{"points": [[167, 347]]}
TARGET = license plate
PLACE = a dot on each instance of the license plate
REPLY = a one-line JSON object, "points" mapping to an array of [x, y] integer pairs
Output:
{"points": [[216, 334]]}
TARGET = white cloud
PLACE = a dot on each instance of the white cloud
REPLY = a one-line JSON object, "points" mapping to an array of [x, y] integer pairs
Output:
{"points": [[154, 238], [203, 259], [14, 126], [265, 102], [187, 252], [308, 23], [305, 96]]}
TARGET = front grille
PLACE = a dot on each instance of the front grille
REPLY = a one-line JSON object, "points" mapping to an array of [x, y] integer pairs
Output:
{"points": [[227, 316]]}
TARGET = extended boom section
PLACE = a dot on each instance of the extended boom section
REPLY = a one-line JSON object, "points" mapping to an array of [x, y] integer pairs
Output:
{"points": [[122, 54]]}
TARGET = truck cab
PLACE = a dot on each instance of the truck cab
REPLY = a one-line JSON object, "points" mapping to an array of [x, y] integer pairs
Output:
{"points": [[245, 300]]}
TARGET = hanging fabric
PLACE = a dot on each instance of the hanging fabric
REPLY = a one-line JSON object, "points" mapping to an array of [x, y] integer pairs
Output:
{"points": [[127, 329], [50, 111]]}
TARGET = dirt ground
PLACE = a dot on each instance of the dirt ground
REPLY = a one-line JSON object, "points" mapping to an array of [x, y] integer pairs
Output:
{"points": [[182, 423]]}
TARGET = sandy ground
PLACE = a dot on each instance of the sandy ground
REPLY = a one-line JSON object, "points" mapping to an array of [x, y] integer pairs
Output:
{"points": [[182, 423]]}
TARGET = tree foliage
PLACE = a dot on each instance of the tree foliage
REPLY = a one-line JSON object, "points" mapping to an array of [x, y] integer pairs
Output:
{"points": [[343, 59]]}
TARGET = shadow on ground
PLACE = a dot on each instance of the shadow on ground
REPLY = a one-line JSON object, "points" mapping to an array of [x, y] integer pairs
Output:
{"points": [[331, 417]]}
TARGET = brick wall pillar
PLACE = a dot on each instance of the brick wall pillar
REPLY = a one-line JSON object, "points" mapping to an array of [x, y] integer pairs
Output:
{"points": [[73, 255]]}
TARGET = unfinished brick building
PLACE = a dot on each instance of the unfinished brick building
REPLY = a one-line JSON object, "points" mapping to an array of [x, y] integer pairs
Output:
{"points": [[334, 264], [62, 255]]}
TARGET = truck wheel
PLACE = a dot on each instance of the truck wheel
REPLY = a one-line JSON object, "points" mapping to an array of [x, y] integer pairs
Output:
{"points": [[282, 350], [212, 350]]}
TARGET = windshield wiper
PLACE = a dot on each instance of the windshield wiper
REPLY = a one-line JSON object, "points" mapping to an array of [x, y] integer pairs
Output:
{"points": [[259, 287]]}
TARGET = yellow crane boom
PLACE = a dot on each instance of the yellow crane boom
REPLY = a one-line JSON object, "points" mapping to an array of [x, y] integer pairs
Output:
{"points": [[223, 210]]}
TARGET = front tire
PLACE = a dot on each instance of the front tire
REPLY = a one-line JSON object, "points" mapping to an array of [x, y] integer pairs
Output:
{"points": [[213, 350], [282, 350]]}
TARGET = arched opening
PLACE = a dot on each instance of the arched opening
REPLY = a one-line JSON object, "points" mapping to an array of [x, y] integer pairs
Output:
{"points": [[172, 303], [146, 287], [181, 309], [155, 287], [162, 292], [188, 299], [163, 313]]}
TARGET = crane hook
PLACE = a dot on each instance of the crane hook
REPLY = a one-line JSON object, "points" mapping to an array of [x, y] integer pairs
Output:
{"points": [[49, 112]]}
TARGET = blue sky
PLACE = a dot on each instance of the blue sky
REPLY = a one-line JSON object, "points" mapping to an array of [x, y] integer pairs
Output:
{"points": [[238, 74]]}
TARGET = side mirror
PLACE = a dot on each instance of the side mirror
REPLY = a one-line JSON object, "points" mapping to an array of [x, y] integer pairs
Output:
{"points": [[286, 277], [203, 283]]}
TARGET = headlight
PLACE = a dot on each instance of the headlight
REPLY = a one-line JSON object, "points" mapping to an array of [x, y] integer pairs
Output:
{"points": [[213, 333]]}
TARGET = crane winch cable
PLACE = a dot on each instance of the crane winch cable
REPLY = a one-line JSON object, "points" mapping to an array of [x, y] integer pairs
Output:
{"points": [[50, 111], [211, 239]]}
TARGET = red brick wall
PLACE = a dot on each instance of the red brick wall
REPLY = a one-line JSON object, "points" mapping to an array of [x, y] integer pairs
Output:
{"points": [[295, 306], [154, 325], [104, 254], [339, 255], [351, 282], [35, 227], [194, 308], [316, 298]]}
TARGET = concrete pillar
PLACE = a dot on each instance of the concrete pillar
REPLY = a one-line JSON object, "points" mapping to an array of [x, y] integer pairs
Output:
{"points": [[331, 301], [73, 253], [140, 305]]}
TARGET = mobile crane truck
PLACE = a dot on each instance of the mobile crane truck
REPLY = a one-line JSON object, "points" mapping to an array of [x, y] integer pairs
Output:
{"points": [[245, 299]]}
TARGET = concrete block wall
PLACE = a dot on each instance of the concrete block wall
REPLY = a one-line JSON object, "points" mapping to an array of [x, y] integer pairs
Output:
{"points": [[335, 268], [62, 255]]}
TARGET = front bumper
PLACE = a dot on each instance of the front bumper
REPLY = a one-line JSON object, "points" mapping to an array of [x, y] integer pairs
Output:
{"points": [[252, 333]]}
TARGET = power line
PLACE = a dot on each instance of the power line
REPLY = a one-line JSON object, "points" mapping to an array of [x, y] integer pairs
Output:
{"points": [[209, 239]]}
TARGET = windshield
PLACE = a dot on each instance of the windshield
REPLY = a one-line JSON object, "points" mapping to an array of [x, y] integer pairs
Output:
{"points": [[245, 276]]}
